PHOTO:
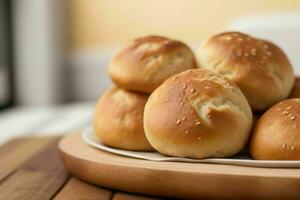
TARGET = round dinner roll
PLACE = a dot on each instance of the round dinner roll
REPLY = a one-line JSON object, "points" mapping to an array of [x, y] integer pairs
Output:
{"points": [[197, 114], [259, 67], [296, 89], [277, 133], [118, 120], [148, 61]]}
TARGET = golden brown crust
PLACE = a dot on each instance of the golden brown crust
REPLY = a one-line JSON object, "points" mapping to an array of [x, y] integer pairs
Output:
{"points": [[258, 67], [277, 133], [296, 89], [118, 119], [148, 61], [197, 114]]}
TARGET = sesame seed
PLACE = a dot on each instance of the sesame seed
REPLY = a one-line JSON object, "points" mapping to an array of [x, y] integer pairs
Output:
{"points": [[173, 79], [285, 112], [284, 146], [265, 46], [192, 111], [228, 86], [178, 121], [292, 148], [184, 86], [269, 53], [187, 131], [199, 138], [198, 123], [193, 90], [289, 107], [181, 103], [293, 117], [184, 118]]}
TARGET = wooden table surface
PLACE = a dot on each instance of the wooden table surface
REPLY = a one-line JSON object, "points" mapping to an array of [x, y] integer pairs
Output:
{"points": [[31, 168]]}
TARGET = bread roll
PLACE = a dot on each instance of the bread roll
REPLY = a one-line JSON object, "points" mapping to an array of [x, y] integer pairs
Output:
{"points": [[277, 133], [197, 114], [296, 89], [148, 61], [118, 120], [260, 68]]}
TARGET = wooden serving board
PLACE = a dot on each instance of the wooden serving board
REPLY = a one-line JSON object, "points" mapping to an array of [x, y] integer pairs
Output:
{"points": [[175, 179]]}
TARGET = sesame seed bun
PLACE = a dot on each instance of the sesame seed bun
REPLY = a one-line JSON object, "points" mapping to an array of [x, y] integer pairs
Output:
{"points": [[197, 114], [277, 133], [259, 67], [148, 61], [118, 120]]}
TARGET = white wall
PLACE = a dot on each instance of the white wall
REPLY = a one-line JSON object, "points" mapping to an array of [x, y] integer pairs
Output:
{"points": [[88, 71], [39, 44]]}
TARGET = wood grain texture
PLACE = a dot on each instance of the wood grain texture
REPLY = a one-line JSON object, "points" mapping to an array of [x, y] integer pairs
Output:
{"points": [[38, 178], [14, 153], [174, 179], [76, 189], [127, 196]]}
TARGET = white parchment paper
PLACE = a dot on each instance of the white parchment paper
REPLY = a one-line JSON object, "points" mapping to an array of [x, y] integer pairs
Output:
{"points": [[243, 158]]}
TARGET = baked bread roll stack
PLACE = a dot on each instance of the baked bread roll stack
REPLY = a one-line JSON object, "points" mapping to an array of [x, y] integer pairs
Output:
{"points": [[260, 68], [148, 61], [197, 114], [296, 89], [277, 133], [118, 120], [140, 67]]}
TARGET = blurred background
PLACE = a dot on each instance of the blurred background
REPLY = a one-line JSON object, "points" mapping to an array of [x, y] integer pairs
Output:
{"points": [[54, 54]]}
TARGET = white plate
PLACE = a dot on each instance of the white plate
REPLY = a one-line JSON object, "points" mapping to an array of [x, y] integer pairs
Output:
{"points": [[242, 158]]}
